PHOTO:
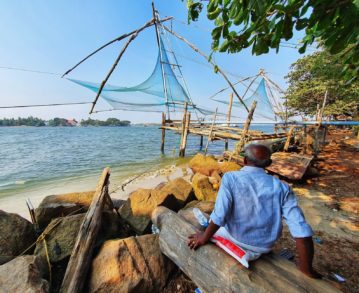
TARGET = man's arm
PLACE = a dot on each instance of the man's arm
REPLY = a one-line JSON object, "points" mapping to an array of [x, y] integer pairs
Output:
{"points": [[301, 232], [218, 216], [305, 250]]}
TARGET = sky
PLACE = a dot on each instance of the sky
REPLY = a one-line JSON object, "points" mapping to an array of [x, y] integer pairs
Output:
{"points": [[52, 36]]}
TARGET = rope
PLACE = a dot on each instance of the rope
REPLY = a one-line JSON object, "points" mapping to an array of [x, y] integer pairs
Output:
{"points": [[44, 105], [28, 70]]}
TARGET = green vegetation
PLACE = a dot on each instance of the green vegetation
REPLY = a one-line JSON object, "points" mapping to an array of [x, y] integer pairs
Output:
{"points": [[108, 122], [33, 121], [262, 25], [30, 121], [313, 75]]}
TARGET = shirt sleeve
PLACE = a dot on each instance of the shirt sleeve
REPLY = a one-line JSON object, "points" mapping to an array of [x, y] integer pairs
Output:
{"points": [[293, 215], [223, 203]]}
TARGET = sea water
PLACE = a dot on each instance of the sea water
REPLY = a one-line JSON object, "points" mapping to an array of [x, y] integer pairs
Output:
{"points": [[50, 159]]}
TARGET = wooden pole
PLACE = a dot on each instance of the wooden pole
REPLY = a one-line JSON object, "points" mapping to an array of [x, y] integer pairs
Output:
{"points": [[184, 119], [185, 134], [211, 131], [81, 256], [287, 143], [193, 47], [163, 132], [148, 24], [242, 141], [305, 138], [229, 118], [103, 83]]}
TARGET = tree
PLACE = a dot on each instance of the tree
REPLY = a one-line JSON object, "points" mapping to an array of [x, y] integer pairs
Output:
{"points": [[313, 75], [263, 24]]}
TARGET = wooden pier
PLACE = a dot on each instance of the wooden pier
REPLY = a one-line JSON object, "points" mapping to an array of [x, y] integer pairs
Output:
{"points": [[214, 131]]}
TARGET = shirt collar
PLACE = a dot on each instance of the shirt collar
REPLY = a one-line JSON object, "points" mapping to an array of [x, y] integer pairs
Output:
{"points": [[252, 169]]}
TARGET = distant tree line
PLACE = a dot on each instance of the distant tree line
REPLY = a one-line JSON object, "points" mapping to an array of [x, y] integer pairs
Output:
{"points": [[37, 122], [108, 122], [30, 121]]}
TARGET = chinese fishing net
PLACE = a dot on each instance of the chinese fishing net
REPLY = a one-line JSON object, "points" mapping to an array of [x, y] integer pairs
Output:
{"points": [[264, 108], [160, 92]]}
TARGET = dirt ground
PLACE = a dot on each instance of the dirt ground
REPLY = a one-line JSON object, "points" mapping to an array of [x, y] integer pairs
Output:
{"points": [[330, 202]]}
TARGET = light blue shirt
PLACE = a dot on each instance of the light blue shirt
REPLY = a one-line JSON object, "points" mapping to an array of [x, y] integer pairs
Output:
{"points": [[250, 205]]}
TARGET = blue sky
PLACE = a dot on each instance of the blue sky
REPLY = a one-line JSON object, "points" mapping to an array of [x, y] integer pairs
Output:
{"points": [[54, 35]]}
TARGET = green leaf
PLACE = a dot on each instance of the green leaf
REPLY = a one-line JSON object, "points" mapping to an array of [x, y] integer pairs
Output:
{"points": [[213, 15]]}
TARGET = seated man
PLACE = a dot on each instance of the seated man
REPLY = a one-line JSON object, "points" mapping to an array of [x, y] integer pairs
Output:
{"points": [[249, 209]]}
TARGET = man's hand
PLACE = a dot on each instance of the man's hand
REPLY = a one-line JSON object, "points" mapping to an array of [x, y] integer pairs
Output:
{"points": [[196, 240]]}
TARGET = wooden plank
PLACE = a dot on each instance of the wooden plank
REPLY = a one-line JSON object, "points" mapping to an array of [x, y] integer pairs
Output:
{"points": [[213, 270], [289, 165], [81, 255]]}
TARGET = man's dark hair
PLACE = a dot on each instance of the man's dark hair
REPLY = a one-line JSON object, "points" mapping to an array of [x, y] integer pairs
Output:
{"points": [[258, 155]]}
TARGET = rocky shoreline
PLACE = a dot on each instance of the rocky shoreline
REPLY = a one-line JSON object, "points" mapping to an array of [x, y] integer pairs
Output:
{"points": [[127, 255]]}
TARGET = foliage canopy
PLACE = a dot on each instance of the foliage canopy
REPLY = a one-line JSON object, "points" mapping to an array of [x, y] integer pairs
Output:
{"points": [[313, 75], [263, 24]]}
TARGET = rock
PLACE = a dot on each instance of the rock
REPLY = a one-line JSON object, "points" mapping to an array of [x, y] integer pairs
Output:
{"points": [[60, 237], [140, 204], [228, 167], [203, 189], [205, 206], [140, 224], [203, 164], [61, 234], [54, 206], [134, 264], [24, 274], [207, 165], [17, 234]]}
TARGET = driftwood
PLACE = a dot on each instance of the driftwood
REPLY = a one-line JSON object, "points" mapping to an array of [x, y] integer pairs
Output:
{"points": [[81, 255], [213, 270]]}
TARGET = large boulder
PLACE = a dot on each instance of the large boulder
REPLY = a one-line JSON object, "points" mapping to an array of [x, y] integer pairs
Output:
{"points": [[61, 234], [206, 165], [134, 264], [140, 204], [17, 234], [54, 206], [203, 189], [24, 274]]}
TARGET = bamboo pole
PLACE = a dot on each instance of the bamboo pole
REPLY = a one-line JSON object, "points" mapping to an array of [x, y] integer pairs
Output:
{"points": [[184, 119], [185, 134], [193, 47], [242, 141], [229, 117], [163, 132], [290, 133], [81, 255], [146, 25], [210, 132], [112, 69]]}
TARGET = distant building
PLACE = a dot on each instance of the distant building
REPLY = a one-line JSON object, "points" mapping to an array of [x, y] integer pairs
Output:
{"points": [[71, 122]]}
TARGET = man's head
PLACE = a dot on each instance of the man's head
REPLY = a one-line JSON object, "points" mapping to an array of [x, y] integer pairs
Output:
{"points": [[257, 155]]}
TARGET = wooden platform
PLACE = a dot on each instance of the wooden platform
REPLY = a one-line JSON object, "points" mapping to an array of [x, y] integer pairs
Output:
{"points": [[289, 165]]}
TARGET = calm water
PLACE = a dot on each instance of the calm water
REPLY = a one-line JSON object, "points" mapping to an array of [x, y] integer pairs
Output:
{"points": [[40, 158]]}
